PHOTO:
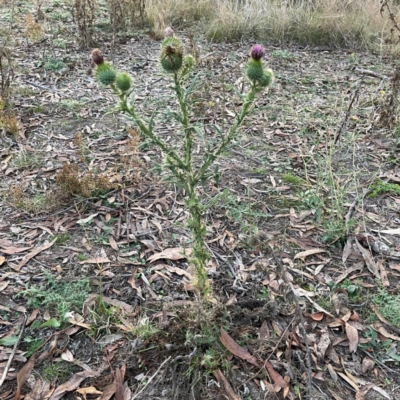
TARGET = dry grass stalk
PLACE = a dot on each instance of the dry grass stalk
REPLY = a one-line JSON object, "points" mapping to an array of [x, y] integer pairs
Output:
{"points": [[83, 12], [316, 22], [72, 183], [6, 73], [32, 29], [124, 13]]}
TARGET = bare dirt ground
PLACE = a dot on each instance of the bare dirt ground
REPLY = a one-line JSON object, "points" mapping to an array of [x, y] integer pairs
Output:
{"points": [[303, 259]]}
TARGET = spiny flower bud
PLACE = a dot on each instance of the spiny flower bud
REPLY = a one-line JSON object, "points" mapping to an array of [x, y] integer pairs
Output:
{"points": [[123, 82], [188, 61], [97, 57], [255, 71], [257, 52], [171, 56], [267, 78], [105, 74], [169, 32]]}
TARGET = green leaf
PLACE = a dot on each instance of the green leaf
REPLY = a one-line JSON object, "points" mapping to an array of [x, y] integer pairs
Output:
{"points": [[395, 357], [9, 341], [189, 90], [198, 130], [51, 323]]}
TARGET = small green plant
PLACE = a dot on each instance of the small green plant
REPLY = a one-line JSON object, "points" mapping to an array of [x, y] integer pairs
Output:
{"points": [[60, 43], [284, 54], [310, 199], [61, 238], [72, 105], [352, 289], [33, 344], [81, 257], [211, 359], [54, 64], [26, 159], [375, 344], [262, 294], [293, 179], [381, 187], [144, 329], [388, 306], [59, 370], [179, 162], [59, 296]]}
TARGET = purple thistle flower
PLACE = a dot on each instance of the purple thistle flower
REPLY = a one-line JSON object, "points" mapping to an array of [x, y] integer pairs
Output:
{"points": [[257, 52]]}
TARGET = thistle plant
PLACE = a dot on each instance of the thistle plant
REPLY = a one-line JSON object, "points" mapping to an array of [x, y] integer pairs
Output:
{"points": [[178, 160]]}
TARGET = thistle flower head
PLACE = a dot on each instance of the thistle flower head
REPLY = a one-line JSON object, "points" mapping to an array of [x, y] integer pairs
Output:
{"points": [[171, 56], [105, 74], [97, 57], [169, 32], [123, 82], [257, 52]]}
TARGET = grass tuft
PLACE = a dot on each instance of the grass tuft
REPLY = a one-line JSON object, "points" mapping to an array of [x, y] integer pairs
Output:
{"points": [[318, 22]]}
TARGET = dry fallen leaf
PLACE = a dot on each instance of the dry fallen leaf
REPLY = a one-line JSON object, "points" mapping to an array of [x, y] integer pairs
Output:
{"points": [[95, 260], [323, 344], [88, 390], [304, 254], [226, 385], [175, 253], [368, 364], [275, 376], [72, 384], [113, 243], [347, 250], [132, 282], [2, 259], [13, 250], [119, 382], [33, 253], [348, 380], [352, 335], [237, 350], [383, 331], [360, 395], [368, 260], [23, 375], [66, 355]]}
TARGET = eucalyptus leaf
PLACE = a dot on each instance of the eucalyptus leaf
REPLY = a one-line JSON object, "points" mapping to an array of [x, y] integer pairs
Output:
{"points": [[51, 323], [8, 341]]}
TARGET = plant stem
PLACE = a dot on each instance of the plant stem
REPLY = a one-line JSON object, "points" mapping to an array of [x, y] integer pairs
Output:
{"points": [[148, 132], [211, 157]]}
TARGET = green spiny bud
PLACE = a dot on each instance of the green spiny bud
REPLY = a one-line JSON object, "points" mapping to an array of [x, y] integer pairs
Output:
{"points": [[123, 82], [171, 56], [105, 74], [171, 59], [267, 78], [171, 41], [188, 61], [255, 71]]}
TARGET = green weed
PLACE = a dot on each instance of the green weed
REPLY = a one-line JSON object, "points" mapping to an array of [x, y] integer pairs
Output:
{"points": [[62, 238], [144, 329], [54, 64], [388, 306], [381, 187], [293, 179], [284, 54], [59, 370], [57, 295]]}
